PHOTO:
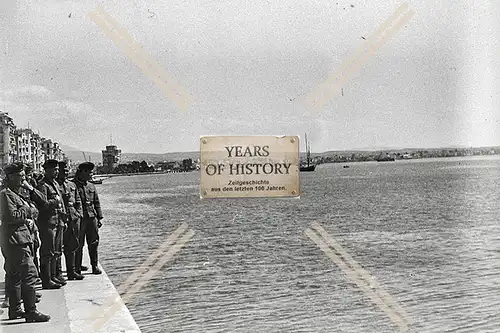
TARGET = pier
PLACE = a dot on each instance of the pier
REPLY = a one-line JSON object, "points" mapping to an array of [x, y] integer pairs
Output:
{"points": [[71, 308]]}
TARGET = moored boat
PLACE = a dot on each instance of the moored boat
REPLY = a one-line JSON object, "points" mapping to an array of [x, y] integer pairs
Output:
{"points": [[309, 166]]}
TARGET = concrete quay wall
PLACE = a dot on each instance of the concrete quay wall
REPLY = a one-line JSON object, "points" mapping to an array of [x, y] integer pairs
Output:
{"points": [[72, 307]]}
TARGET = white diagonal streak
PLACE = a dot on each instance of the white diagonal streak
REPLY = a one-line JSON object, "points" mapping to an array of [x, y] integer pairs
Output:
{"points": [[320, 95], [362, 272], [135, 52], [355, 277], [145, 278], [140, 270]]}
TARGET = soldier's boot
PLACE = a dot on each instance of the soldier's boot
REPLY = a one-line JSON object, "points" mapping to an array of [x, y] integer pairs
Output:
{"points": [[15, 310], [31, 314], [70, 267], [58, 274], [78, 261], [36, 317], [96, 270], [16, 313], [47, 282], [93, 259], [5, 303], [53, 273]]}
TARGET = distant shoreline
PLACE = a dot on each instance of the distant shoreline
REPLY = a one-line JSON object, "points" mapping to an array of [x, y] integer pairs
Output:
{"points": [[76, 155], [111, 175]]}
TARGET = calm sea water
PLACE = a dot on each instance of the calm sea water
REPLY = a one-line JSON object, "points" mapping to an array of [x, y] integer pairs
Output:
{"points": [[427, 230]]}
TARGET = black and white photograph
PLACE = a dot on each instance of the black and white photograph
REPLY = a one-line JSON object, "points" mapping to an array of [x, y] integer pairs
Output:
{"points": [[249, 166]]}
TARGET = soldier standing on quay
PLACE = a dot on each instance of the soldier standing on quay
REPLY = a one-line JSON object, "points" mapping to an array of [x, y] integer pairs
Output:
{"points": [[28, 169], [17, 220], [51, 224], [74, 211], [92, 216], [31, 197]]}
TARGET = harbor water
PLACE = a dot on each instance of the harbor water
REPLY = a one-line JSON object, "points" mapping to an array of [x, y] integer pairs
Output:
{"points": [[427, 230]]}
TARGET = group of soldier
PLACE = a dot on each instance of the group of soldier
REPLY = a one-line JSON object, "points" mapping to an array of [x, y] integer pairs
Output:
{"points": [[53, 216]]}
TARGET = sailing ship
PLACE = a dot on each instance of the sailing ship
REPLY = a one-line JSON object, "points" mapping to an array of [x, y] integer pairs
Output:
{"points": [[309, 166]]}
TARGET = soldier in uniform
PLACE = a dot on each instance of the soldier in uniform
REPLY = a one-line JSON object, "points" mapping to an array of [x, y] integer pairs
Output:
{"points": [[5, 303], [30, 197], [51, 224], [74, 211], [33, 200], [92, 216], [17, 220], [30, 177]]}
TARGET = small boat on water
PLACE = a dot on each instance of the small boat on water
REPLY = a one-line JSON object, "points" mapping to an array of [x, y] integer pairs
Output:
{"points": [[345, 166], [305, 168], [95, 180], [309, 166]]}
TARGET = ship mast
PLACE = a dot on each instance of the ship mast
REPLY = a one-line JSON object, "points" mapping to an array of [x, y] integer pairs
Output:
{"points": [[308, 150]]}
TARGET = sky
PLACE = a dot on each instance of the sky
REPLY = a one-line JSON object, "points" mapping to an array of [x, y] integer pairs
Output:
{"points": [[248, 66]]}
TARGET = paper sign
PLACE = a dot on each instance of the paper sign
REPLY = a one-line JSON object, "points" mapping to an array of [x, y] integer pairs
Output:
{"points": [[249, 166]]}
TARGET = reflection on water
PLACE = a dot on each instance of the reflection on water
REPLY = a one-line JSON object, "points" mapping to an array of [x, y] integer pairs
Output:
{"points": [[428, 231]]}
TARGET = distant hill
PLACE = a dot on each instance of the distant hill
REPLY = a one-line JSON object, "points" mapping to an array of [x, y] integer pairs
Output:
{"points": [[154, 158], [76, 155]]}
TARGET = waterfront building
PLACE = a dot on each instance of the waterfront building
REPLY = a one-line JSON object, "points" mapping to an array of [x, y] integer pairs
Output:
{"points": [[37, 156], [8, 150], [23, 145], [48, 149], [110, 158]]}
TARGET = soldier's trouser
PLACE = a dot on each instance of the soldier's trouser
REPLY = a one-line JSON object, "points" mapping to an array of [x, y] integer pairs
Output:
{"points": [[48, 246], [49, 251], [22, 276], [71, 244], [89, 231], [71, 236], [7, 278], [58, 250], [34, 252]]}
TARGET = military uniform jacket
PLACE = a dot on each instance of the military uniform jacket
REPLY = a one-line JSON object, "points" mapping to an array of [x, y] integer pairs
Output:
{"points": [[90, 200], [72, 200], [15, 211], [50, 216], [35, 199]]}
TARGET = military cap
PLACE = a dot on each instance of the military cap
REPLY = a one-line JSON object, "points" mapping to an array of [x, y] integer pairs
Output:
{"points": [[49, 164], [13, 168], [62, 164], [86, 166]]}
